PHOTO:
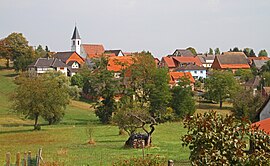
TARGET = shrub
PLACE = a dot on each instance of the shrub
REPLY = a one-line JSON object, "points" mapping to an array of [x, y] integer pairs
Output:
{"points": [[148, 160]]}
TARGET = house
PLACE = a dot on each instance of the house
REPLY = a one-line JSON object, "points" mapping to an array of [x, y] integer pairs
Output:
{"points": [[257, 58], [253, 84], [195, 70], [206, 60], [175, 76], [264, 111], [231, 60], [263, 125], [157, 61], [43, 65], [111, 53], [118, 63], [174, 62], [183, 52], [92, 50], [258, 63], [72, 59]]}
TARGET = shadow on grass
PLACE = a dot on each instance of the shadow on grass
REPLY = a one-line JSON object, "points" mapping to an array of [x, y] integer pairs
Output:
{"points": [[11, 75], [210, 106], [17, 131], [80, 122]]}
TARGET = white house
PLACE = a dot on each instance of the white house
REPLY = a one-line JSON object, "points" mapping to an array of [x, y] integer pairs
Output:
{"points": [[43, 65], [207, 60], [195, 70]]}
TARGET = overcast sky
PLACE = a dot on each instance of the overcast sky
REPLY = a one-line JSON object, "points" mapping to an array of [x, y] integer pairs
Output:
{"points": [[159, 26]]}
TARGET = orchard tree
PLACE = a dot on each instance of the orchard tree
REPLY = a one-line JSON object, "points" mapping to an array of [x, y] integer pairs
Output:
{"points": [[46, 96], [182, 101], [214, 139], [263, 53], [220, 85], [244, 74]]}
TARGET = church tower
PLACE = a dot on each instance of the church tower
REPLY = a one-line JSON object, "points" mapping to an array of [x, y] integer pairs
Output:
{"points": [[76, 41]]}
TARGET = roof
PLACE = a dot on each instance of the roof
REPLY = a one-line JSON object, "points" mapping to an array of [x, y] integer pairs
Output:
{"points": [[259, 63], [182, 52], [76, 34], [254, 82], [233, 60], [48, 62], [190, 67], [63, 55], [266, 89], [169, 62], [93, 50], [263, 125], [194, 60], [114, 52], [204, 58], [119, 63], [258, 58], [174, 76]]}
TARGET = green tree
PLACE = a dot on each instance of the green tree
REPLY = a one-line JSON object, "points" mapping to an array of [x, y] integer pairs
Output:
{"points": [[263, 53], [193, 50], [217, 140], [45, 96], [217, 51], [252, 53], [211, 52], [220, 85], [245, 104], [244, 74], [77, 79], [247, 51], [182, 101]]}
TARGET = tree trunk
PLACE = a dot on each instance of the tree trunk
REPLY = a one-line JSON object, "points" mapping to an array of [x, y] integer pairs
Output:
{"points": [[36, 121], [7, 63], [220, 104]]}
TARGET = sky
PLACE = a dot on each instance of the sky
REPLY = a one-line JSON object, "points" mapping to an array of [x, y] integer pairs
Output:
{"points": [[158, 26]]}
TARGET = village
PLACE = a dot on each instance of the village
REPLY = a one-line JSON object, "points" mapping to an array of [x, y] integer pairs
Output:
{"points": [[90, 98]]}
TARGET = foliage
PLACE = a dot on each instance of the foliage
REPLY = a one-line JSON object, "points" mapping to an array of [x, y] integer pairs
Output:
{"points": [[217, 51], [45, 96], [220, 85], [245, 104], [235, 49], [263, 53], [74, 92], [77, 79], [182, 102], [217, 140], [265, 81], [249, 52], [148, 160], [244, 74], [266, 67], [15, 47], [252, 53], [211, 52], [193, 50]]}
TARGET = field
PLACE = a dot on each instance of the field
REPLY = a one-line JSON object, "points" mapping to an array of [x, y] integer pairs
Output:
{"points": [[67, 141]]}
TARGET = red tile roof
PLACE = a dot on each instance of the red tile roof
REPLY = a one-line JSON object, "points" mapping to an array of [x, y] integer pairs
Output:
{"points": [[231, 60], [263, 125], [194, 59], [119, 63], [93, 50], [174, 76], [169, 62]]}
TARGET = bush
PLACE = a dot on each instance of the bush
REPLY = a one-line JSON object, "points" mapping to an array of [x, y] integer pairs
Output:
{"points": [[149, 160]]}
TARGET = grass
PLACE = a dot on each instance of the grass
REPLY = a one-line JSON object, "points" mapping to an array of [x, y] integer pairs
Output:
{"points": [[67, 141]]}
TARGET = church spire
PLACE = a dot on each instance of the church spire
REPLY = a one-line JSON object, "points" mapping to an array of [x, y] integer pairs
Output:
{"points": [[76, 34]]}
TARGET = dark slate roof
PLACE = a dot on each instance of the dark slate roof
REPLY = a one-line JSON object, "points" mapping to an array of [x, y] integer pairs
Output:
{"points": [[259, 63], [182, 52], [255, 82], [63, 55], [76, 34], [48, 62], [70, 63], [190, 67], [116, 52], [232, 58], [203, 58]]}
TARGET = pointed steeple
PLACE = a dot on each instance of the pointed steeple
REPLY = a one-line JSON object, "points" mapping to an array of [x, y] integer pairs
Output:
{"points": [[76, 34]]}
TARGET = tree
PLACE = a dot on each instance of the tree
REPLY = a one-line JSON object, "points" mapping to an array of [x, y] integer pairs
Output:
{"points": [[252, 53], [263, 53], [182, 102], [245, 104], [15, 47], [217, 140], [236, 49], [193, 50], [211, 51], [77, 79], [217, 51], [220, 85], [45, 96], [244, 74]]}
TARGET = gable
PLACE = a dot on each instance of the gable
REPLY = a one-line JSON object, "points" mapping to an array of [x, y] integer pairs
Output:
{"points": [[75, 57]]}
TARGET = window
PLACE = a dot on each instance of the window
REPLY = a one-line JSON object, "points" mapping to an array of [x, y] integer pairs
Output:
{"points": [[195, 72], [201, 72], [78, 42]]}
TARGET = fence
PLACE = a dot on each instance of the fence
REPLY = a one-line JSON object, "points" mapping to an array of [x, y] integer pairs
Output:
{"points": [[25, 160]]}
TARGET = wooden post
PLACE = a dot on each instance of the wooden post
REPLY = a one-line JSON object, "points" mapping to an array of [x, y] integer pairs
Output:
{"points": [[8, 159], [39, 157], [25, 159], [170, 163], [18, 159], [29, 158], [142, 143]]}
